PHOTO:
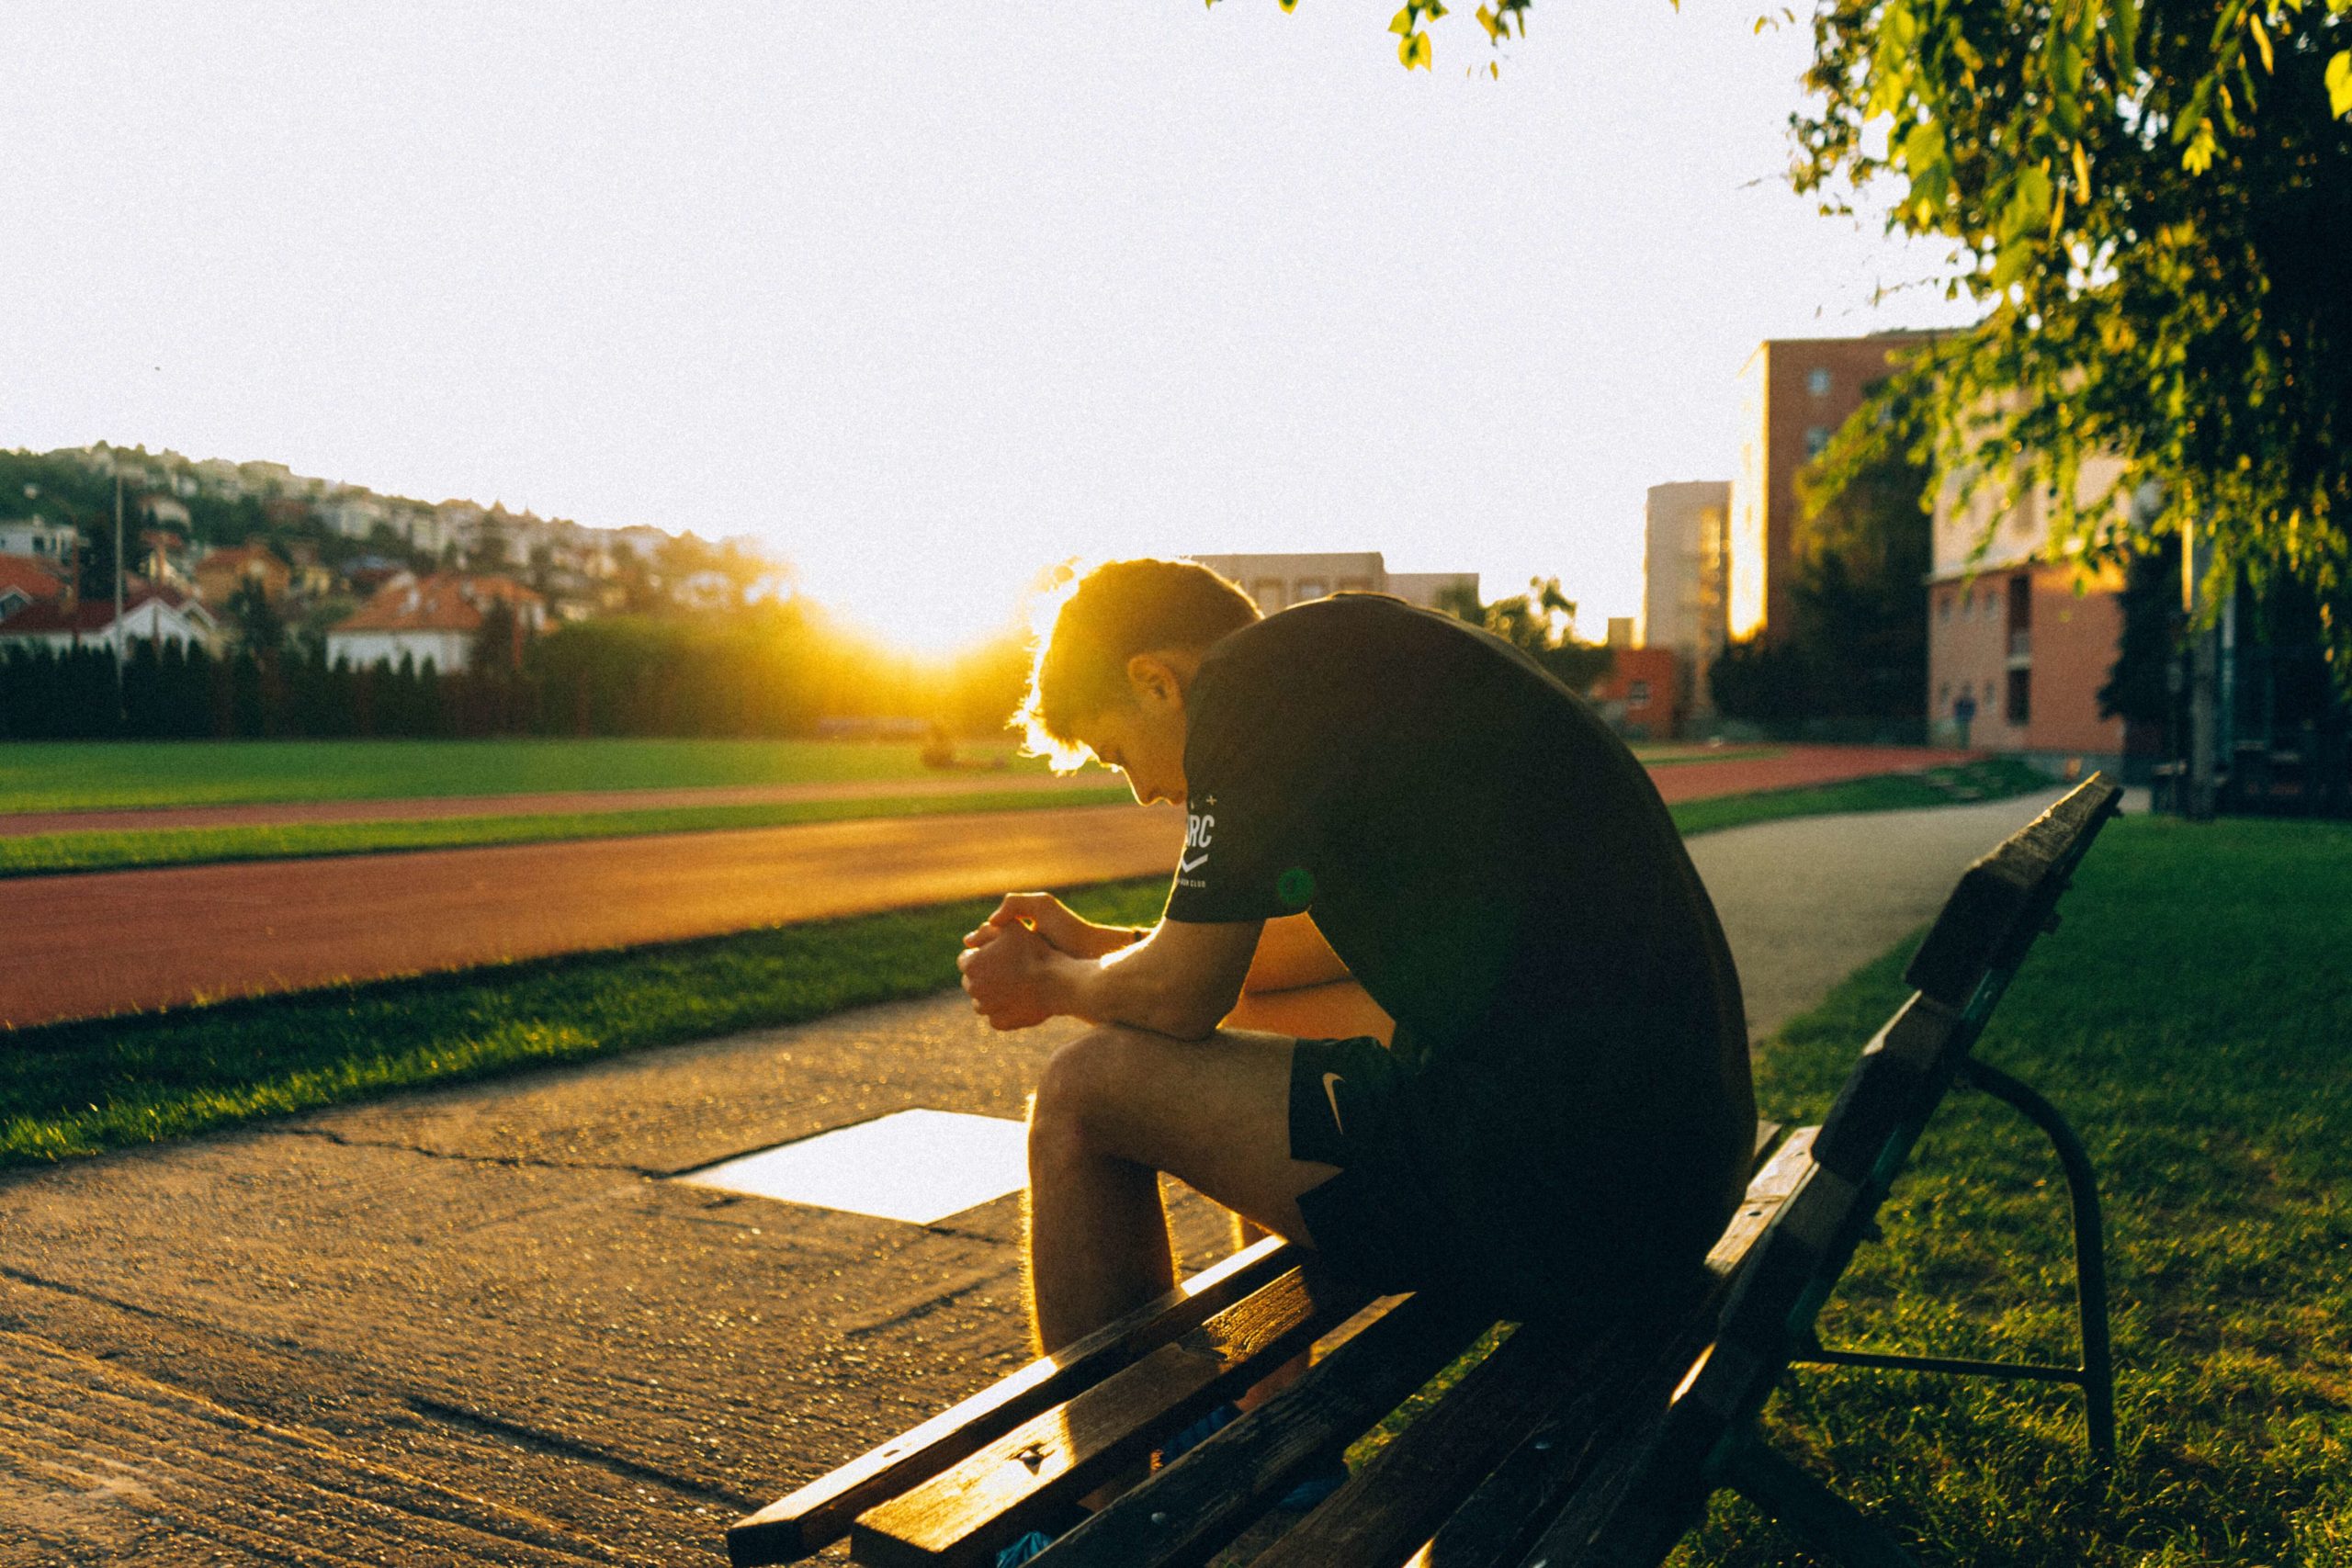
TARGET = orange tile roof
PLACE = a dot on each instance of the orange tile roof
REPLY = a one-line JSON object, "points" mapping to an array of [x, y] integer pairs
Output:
{"points": [[445, 601], [29, 578]]}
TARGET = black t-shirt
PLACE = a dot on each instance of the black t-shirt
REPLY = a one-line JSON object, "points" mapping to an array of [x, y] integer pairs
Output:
{"points": [[1489, 860]]}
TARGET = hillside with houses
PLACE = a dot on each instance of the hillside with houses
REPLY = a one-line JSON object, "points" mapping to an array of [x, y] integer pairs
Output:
{"points": [[217, 553]]}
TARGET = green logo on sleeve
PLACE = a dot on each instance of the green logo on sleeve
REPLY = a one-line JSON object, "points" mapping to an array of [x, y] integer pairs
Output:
{"points": [[1296, 887]]}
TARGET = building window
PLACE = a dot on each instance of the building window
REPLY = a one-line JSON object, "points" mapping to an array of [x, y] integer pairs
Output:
{"points": [[2020, 696], [1312, 588], [1268, 592], [1638, 694], [1816, 381], [1943, 606], [1968, 603], [1817, 439], [1943, 691]]}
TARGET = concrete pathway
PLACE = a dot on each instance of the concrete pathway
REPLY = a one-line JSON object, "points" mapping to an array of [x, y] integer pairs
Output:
{"points": [[477, 1326]]}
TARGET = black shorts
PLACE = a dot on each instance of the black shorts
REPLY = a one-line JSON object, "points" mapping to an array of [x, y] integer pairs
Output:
{"points": [[1482, 1183]]}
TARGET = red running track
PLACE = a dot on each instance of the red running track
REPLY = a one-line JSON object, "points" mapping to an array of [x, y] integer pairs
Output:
{"points": [[116, 942]]}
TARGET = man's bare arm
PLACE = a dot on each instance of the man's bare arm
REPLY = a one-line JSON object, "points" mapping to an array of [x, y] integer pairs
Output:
{"points": [[1179, 980]]}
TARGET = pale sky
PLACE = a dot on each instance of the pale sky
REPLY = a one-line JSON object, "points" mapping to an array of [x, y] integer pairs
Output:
{"points": [[927, 297]]}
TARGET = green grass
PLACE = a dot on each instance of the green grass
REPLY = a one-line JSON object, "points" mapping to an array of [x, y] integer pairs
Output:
{"points": [[1674, 756], [42, 855], [79, 1089], [94, 776], [1990, 778], [2191, 1018]]}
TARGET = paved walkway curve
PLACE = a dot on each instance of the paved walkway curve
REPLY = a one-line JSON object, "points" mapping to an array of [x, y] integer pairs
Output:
{"points": [[474, 1325]]}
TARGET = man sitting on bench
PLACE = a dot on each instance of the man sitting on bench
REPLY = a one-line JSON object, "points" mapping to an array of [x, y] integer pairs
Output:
{"points": [[1562, 1122]]}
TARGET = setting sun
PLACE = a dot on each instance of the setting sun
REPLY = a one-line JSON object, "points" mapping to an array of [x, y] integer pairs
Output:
{"points": [[929, 601]]}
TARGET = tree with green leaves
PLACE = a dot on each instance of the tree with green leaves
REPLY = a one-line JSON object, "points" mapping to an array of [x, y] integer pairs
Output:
{"points": [[2151, 199], [1540, 623], [260, 629]]}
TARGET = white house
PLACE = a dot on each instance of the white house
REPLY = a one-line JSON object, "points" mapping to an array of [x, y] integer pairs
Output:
{"points": [[437, 618], [51, 544], [161, 615], [356, 514]]}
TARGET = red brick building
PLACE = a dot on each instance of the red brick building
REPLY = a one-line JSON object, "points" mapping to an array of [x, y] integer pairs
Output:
{"points": [[1795, 393], [1642, 693], [2020, 645]]}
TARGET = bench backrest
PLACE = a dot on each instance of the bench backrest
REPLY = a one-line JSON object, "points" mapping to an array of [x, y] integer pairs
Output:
{"points": [[2002, 904]]}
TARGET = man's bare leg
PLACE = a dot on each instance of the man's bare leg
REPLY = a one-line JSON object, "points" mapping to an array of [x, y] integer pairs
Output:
{"points": [[1116, 1107]]}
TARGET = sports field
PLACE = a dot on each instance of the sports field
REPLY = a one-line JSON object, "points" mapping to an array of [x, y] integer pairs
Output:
{"points": [[71, 775], [103, 775]]}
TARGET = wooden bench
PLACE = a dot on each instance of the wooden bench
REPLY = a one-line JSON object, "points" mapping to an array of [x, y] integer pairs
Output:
{"points": [[1554, 1448]]}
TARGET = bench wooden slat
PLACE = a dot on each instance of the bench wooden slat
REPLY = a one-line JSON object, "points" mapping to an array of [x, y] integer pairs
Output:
{"points": [[1632, 1370], [968, 1511], [1196, 1505], [820, 1513]]}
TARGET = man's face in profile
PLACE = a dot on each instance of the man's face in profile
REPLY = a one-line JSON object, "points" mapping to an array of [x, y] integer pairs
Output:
{"points": [[1142, 736]]}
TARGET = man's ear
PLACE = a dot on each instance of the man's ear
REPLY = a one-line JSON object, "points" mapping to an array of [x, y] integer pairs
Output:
{"points": [[1153, 682]]}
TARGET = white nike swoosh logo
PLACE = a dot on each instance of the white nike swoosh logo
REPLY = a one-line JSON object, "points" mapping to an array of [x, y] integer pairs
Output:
{"points": [[1194, 863], [1332, 1095]]}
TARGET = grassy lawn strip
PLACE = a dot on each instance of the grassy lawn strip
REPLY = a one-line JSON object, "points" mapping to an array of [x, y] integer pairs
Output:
{"points": [[1989, 778], [106, 774], [1674, 756], [43, 854], [102, 774], [78, 1089], [2190, 1018]]}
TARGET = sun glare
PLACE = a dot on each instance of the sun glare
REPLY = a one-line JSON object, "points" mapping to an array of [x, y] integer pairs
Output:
{"points": [[934, 608]]}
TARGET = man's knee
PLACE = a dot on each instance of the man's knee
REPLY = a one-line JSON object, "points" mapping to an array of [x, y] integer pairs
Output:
{"points": [[1085, 1084]]}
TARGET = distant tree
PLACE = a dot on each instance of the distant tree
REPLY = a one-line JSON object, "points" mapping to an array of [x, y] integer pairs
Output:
{"points": [[93, 577], [1540, 623], [498, 641], [2137, 688], [1860, 641], [1762, 682], [260, 629]]}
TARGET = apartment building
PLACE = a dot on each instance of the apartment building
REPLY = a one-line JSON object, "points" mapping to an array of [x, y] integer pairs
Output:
{"points": [[1795, 393], [1276, 582]]}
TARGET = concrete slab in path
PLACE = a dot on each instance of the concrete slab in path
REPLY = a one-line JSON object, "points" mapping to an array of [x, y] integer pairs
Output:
{"points": [[477, 1326]]}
